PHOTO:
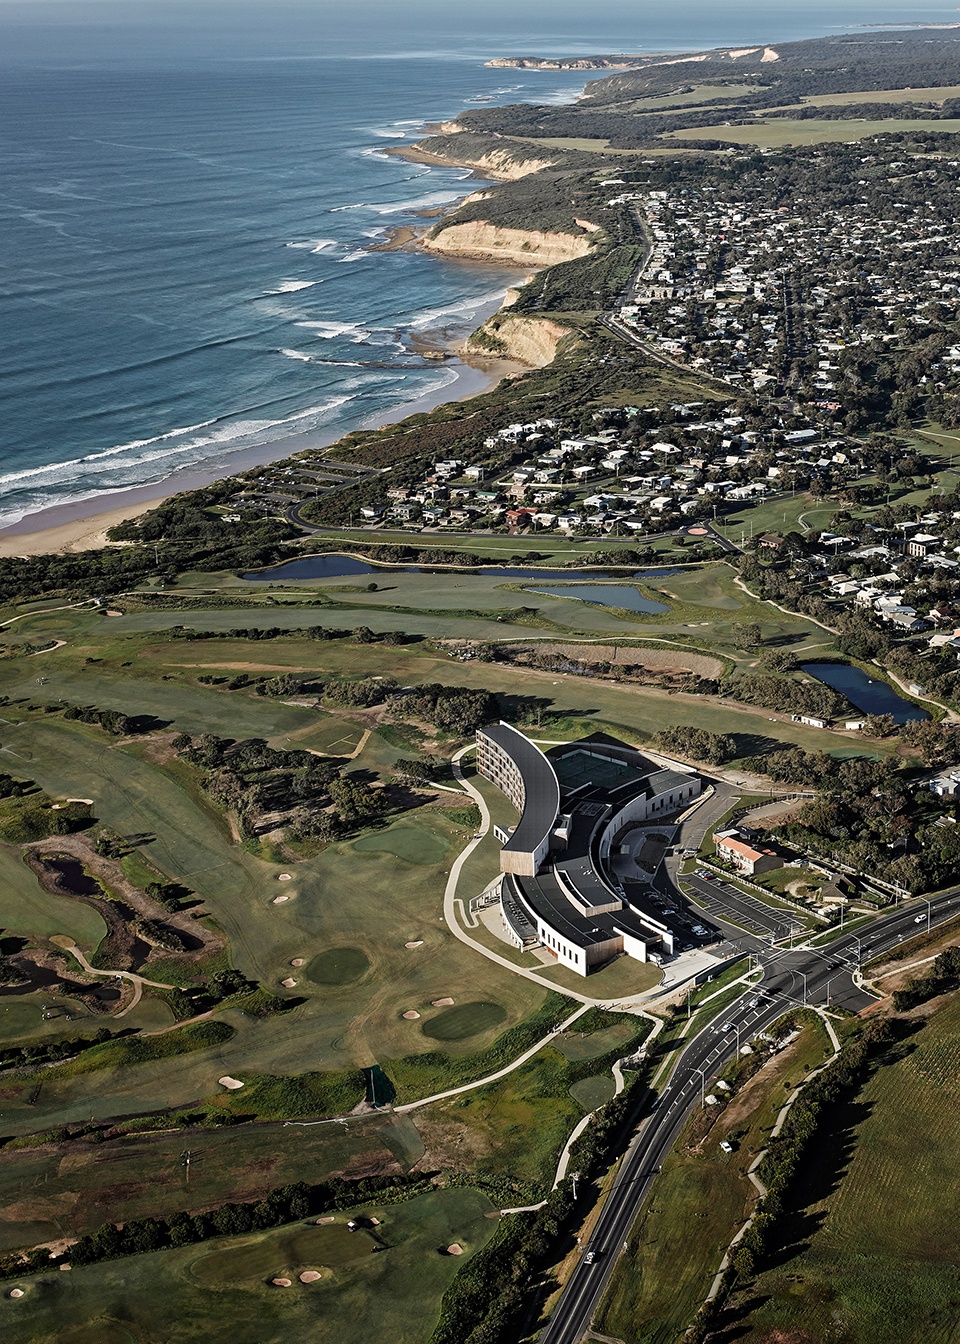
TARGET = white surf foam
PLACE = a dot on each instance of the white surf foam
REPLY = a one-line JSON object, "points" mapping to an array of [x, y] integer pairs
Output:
{"points": [[328, 330], [421, 203], [226, 432], [291, 287], [315, 245], [358, 255], [432, 316]]}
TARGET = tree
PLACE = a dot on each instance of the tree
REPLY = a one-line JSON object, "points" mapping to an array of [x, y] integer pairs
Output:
{"points": [[747, 635]]}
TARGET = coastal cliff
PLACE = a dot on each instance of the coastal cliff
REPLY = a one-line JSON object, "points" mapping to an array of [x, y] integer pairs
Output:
{"points": [[458, 148], [533, 341], [482, 241], [567, 63]]}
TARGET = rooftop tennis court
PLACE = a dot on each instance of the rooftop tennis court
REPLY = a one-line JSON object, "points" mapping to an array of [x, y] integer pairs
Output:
{"points": [[580, 767]]}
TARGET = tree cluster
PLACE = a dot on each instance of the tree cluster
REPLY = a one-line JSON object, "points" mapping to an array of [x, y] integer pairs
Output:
{"points": [[696, 743], [457, 710], [943, 976], [293, 788]]}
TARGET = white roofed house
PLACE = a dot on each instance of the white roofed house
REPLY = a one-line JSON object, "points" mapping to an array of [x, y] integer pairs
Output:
{"points": [[922, 544]]}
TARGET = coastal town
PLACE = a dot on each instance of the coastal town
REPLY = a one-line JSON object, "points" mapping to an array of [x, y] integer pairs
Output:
{"points": [[493, 876]]}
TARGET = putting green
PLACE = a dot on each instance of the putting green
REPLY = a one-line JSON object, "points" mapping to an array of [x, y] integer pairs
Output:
{"points": [[412, 844], [593, 1092], [255, 1258], [338, 966], [466, 1019]]}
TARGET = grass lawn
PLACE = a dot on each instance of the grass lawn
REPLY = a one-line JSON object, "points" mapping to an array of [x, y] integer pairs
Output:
{"points": [[937, 94], [220, 1289], [26, 909], [872, 1253], [374, 895], [617, 979], [517, 1127], [697, 1205], [71, 1188], [782, 131]]}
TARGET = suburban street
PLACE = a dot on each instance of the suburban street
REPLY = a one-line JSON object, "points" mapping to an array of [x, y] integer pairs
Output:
{"points": [[806, 975]]}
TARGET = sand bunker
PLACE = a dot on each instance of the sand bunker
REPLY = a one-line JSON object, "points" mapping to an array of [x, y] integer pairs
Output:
{"points": [[455, 1249], [16, 1292], [297, 961], [309, 1276], [285, 877], [289, 982], [416, 944], [279, 900], [282, 1283], [443, 1003], [412, 1016], [231, 1084], [329, 1219]]}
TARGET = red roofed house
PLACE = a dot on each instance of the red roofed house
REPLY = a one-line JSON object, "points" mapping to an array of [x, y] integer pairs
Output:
{"points": [[745, 858]]}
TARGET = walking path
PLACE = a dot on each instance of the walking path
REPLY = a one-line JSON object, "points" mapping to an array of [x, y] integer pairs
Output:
{"points": [[754, 1179], [138, 981]]}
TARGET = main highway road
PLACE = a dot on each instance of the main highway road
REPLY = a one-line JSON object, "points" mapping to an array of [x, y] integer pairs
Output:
{"points": [[806, 975]]}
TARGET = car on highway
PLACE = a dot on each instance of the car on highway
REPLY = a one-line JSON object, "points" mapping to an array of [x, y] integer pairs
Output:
{"points": [[590, 1258], [920, 919], [727, 1026]]}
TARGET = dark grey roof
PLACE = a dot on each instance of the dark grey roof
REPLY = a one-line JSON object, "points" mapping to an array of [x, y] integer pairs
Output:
{"points": [[541, 789], [543, 897]]}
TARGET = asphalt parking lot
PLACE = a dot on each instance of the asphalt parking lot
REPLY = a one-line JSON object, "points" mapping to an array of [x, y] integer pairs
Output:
{"points": [[722, 901]]}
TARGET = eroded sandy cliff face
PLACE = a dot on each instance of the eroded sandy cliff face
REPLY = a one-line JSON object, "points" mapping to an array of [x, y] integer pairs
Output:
{"points": [[500, 165], [529, 340], [488, 242]]}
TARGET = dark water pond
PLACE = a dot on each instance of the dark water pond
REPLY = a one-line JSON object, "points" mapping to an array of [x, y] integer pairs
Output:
{"points": [[71, 875], [606, 595], [869, 694], [341, 566]]}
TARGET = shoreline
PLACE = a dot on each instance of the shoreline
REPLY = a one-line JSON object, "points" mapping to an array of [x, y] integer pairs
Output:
{"points": [[81, 525], [71, 528]]}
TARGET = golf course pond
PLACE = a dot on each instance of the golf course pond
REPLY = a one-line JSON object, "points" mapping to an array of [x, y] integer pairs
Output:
{"points": [[342, 566], [607, 595], [872, 695]]}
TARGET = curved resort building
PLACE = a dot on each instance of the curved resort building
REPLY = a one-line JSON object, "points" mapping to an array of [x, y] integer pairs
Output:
{"points": [[577, 804]]}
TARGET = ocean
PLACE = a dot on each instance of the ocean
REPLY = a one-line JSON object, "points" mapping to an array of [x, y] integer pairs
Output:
{"points": [[186, 273]]}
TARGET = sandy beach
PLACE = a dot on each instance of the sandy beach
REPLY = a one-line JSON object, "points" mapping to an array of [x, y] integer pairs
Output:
{"points": [[82, 534], [82, 525]]}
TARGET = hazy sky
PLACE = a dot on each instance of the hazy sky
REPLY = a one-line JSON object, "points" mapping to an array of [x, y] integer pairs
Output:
{"points": [[123, 29]]}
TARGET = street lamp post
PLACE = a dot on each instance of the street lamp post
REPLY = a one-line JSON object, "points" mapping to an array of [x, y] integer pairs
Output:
{"points": [[804, 975], [928, 913]]}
